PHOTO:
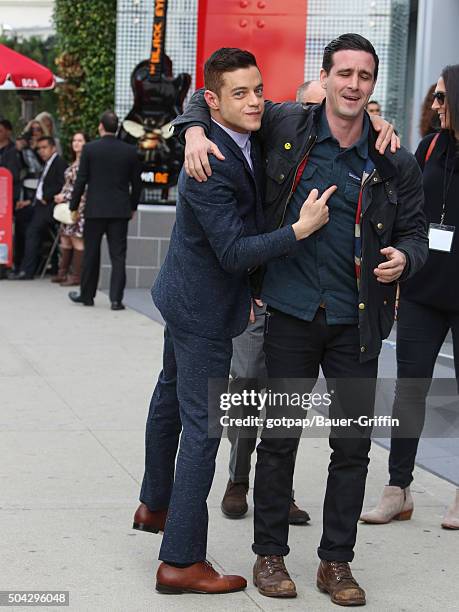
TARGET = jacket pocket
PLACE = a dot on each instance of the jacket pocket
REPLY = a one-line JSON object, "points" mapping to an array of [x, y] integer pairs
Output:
{"points": [[278, 168], [278, 171], [382, 222]]}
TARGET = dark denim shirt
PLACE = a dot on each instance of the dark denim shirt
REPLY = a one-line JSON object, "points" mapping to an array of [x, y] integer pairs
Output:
{"points": [[321, 268]]}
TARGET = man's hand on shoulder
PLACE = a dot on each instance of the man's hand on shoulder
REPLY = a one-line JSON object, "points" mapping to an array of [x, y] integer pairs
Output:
{"points": [[386, 134], [197, 150], [390, 270]]}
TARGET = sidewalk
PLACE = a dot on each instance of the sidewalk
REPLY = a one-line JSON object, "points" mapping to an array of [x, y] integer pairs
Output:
{"points": [[75, 384]]}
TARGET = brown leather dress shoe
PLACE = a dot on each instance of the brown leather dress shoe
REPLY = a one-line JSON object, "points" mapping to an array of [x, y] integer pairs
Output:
{"points": [[234, 502], [271, 577], [146, 520], [197, 578], [336, 579]]}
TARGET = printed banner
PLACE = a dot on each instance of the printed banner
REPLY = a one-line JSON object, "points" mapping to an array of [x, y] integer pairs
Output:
{"points": [[6, 217]]}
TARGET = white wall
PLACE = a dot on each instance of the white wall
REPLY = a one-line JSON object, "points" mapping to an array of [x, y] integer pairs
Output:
{"points": [[437, 45]]}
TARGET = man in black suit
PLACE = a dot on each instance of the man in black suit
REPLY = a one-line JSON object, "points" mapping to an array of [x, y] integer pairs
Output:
{"points": [[50, 183], [203, 293], [111, 170]]}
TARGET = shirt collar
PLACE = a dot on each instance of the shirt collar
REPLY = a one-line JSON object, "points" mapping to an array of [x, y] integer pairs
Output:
{"points": [[50, 160], [361, 146], [239, 139]]}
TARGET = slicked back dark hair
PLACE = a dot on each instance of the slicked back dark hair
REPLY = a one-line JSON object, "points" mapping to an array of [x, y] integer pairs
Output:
{"points": [[348, 42], [450, 75], [226, 59], [6, 124], [49, 139], [109, 120]]}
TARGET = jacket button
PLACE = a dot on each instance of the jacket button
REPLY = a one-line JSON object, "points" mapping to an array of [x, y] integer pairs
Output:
{"points": [[363, 349], [375, 179], [281, 177], [385, 302], [361, 306], [380, 226]]}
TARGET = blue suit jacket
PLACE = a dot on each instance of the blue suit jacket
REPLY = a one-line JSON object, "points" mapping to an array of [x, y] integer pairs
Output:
{"points": [[203, 285]]}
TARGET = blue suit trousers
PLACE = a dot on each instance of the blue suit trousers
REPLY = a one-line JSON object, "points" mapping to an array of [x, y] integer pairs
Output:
{"points": [[178, 421]]}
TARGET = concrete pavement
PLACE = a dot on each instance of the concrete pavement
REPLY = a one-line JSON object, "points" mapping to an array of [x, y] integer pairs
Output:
{"points": [[75, 384]]}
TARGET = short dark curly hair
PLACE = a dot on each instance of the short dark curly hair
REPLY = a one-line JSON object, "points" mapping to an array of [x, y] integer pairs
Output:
{"points": [[226, 59]]}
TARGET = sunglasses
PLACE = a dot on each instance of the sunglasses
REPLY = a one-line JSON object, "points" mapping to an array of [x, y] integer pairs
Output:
{"points": [[440, 96]]}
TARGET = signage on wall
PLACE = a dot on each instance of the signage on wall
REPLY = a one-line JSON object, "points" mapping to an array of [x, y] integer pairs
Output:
{"points": [[6, 217]]}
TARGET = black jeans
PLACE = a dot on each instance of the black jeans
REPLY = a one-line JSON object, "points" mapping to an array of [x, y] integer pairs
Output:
{"points": [[421, 331], [295, 349], [116, 231]]}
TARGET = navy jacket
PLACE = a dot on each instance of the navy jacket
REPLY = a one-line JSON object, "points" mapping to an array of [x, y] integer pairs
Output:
{"points": [[203, 285]]}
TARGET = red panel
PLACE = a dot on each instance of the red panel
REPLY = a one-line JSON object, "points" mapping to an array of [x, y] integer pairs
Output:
{"points": [[274, 30], [256, 7], [6, 217]]}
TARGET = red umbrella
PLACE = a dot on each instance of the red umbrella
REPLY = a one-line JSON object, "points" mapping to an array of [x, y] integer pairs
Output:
{"points": [[19, 72]]}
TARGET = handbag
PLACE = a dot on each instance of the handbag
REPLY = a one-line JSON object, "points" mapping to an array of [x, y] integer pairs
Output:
{"points": [[63, 214]]}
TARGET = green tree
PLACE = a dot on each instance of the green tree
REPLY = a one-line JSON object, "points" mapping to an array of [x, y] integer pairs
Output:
{"points": [[86, 45], [42, 51]]}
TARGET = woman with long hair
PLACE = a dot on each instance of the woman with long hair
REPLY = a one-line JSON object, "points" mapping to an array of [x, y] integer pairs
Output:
{"points": [[429, 121], [48, 125], [429, 305], [27, 145], [71, 236]]}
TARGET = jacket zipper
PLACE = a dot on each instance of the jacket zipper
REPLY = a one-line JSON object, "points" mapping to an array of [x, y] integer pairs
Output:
{"points": [[294, 179]]}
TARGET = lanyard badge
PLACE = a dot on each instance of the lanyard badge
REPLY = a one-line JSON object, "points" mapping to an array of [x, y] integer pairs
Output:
{"points": [[441, 237]]}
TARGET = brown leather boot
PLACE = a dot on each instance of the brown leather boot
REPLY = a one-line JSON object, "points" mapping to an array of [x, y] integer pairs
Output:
{"points": [[336, 579], [148, 520], [73, 280], [197, 578], [234, 502], [64, 264], [297, 516], [271, 577]]}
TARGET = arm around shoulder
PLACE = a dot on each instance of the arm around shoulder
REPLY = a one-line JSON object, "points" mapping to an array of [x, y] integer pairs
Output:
{"points": [[196, 113]]}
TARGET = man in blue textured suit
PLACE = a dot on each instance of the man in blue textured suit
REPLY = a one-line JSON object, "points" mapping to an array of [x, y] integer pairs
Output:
{"points": [[203, 294]]}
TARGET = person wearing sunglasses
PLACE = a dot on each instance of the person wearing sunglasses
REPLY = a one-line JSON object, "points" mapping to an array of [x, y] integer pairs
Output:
{"points": [[429, 305]]}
